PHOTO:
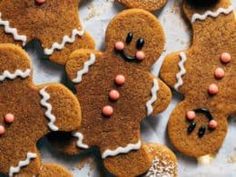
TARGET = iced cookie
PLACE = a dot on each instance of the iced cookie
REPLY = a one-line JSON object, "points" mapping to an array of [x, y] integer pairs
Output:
{"points": [[117, 91], [150, 5], [29, 112], [205, 75], [54, 23]]}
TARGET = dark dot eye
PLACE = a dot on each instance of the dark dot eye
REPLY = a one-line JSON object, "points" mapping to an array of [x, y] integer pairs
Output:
{"points": [[129, 38], [140, 43]]}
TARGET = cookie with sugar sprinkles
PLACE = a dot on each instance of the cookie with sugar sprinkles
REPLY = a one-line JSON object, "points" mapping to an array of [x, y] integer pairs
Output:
{"points": [[205, 75], [117, 91], [29, 112], [54, 23]]}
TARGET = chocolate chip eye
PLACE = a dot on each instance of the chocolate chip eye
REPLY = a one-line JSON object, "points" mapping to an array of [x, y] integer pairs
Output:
{"points": [[140, 43], [129, 38]]}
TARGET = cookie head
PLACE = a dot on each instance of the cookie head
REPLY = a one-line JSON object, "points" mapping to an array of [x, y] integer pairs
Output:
{"points": [[135, 36], [150, 5]]}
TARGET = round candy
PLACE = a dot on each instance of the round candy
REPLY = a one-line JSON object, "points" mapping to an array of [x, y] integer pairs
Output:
{"points": [[140, 55], [120, 79], [119, 45], [107, 111], [191, 115], [2, 130], [9, 118], [213, 89], [114, 95], [225, 57], [219, 73], [212, 124], [40, 1]]}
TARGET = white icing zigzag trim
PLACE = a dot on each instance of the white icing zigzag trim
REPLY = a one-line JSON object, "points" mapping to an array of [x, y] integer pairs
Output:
{"points": [[22, 164], [79, 142], [122, 150], [85, 69], [48, 113], [13, 31], [182, 72], [66, 39], [154, 90], [209, 13], [18, 73]]}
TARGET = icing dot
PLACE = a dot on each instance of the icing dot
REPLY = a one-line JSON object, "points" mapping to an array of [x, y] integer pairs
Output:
{"points": [[114, 95], [107, 111], [120, 79], [191, 115], [213, 89], [219, 73], [9, 118], [213, 124], [2, 130], [119, 45], [140, 55], [40, 1], [225, 57]]}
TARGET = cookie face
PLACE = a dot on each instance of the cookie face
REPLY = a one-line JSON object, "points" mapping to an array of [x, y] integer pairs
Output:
{"points": [[150, 5], [107, 82], [204, 74], [29, 112], [54, 23]]}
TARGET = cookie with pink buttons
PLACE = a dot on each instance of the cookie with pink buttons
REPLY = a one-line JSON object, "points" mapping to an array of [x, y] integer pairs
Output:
{"points": [[117, 91], [54, 23], [150, 5], [29, 112], [205, 75]]}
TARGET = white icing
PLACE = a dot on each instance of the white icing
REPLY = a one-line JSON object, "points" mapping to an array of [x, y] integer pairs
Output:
{"points": [[161, 168], [13, 31], [209, 13], [205, 160], [66, 39], [18, 73], [122, 150], [79, 142], [150, 102], [85, 69], [182, 72], [22, 164], [44, 102]]}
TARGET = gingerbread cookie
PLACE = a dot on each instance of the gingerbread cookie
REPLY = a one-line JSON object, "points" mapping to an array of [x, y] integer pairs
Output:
{"points": [[204, 74], [117, 91], [29, 112], [150, 5], [53, 170], [54, 23]]}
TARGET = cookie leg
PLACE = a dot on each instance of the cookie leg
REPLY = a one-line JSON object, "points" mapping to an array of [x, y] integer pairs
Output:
{"points": [[164, 162], [132, 164], [190, 129], [60, 56], [53, 170], [173, 69]]}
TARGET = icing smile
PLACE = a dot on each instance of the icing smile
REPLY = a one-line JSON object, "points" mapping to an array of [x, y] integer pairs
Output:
{"points": [[120, 46]]}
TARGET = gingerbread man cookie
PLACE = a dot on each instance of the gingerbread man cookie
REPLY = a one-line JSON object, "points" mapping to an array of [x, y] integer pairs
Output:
{"points": [[54, 23], [53, 170], [117, 91], [150, 5], [205, 75], [29, 112]]}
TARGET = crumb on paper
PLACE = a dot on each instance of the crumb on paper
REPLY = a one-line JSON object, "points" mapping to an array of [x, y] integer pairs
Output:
{"points": [[232, 158]]}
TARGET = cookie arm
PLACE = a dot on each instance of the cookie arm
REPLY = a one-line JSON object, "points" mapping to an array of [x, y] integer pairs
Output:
{"points": [[80, 63], [173, 70], [61, 108]]}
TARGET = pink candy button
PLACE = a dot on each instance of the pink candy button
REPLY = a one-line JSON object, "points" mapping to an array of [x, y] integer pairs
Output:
{"points": [[219, 73], [140, 55], [107, 111], [119, 45], [114, 95], [120, 79], [225, 58], [2, 130], [40, 1], [9, 118], [213, 89], [212, 124], [190, 115]]}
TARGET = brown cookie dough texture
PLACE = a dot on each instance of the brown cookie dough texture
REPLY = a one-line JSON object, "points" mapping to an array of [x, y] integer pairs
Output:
{"points": [[195, 74], [52, 170], [36, 111], [113, 125], [150, 5], [54, 23]]}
